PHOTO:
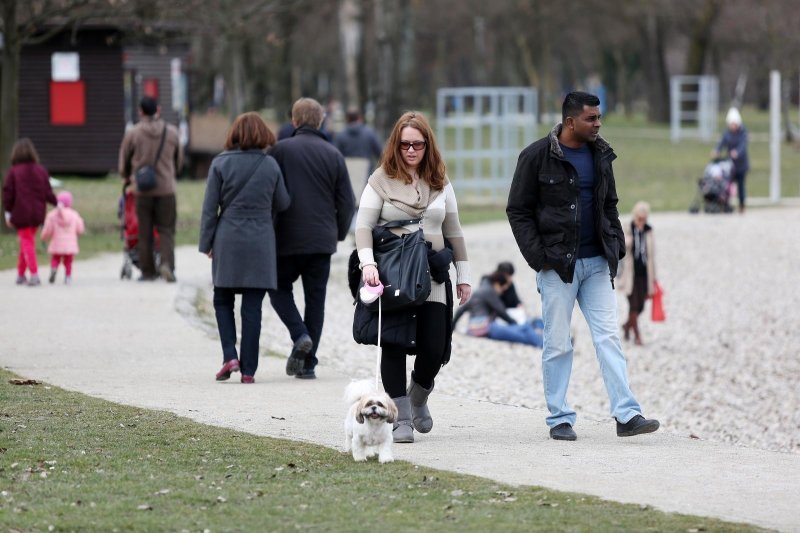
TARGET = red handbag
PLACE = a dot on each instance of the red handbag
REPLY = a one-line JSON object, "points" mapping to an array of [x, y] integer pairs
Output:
{"points": [[658, 314]]}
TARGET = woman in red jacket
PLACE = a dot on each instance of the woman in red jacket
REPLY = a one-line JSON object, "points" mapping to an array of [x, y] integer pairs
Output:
{"points": [[26, 193]]}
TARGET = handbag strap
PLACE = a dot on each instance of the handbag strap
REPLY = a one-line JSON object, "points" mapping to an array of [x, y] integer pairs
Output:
{"points": [[161, 144], [399, 223], [238, 188]]}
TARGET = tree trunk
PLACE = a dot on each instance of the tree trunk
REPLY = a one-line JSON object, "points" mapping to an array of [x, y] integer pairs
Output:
{"points": [[385, 22], [350, 39], [9, 93], [652, 31], [236, 80], [701, 39]]}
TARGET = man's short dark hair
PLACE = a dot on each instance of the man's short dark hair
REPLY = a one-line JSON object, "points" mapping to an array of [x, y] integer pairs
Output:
{"points": [[506, 268], [148, 105], [574, 102], [353, 115]]}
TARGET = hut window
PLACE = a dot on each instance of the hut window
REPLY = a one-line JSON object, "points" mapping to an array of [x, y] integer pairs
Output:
{"points": [[67, 90], [65, 66]]}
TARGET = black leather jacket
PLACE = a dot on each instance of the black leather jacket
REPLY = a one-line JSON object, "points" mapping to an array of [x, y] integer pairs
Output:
{"points": [[544, 207]]}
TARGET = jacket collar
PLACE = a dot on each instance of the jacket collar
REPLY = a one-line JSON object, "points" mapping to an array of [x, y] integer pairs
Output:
{"points": [[308, 130], [600, 146]]}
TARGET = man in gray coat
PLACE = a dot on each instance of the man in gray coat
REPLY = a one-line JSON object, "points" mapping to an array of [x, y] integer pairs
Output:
{"points": [[320, 213]]}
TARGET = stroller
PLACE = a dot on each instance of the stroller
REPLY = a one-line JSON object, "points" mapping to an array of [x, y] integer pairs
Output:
{"points": [[715, 188], [129, 234]]}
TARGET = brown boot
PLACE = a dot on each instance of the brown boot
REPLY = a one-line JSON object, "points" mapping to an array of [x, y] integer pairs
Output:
{"points": [[637, 339]]}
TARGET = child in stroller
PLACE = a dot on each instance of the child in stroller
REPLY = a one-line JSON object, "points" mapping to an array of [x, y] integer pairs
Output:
{"points": [[714, 189], [129, 233]]}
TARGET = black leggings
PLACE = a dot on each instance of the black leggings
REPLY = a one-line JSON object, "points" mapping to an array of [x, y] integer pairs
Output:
{"points": [[432, 323]]}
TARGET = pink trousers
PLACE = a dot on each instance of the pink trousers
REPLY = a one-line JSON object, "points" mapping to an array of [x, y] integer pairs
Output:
{"points": [[58, 258], [27, 251]]}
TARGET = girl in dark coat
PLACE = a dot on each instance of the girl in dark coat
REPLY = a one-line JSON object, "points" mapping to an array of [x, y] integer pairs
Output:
{"points": [[245, 189], [26, 193]]}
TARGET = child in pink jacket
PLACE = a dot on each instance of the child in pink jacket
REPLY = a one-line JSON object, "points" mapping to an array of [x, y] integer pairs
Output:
{"points": [[62, 227]]}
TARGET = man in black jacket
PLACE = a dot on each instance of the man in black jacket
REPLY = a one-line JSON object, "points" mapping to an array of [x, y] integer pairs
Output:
{"points": [[562, 208], [306, 234]]}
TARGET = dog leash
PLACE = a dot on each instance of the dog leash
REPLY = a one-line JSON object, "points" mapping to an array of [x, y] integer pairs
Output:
{"points": [[369, 293], [378, 348]]}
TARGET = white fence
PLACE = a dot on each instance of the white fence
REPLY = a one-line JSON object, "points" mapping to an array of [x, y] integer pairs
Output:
{"points": [[481, 131], [694, 104]]}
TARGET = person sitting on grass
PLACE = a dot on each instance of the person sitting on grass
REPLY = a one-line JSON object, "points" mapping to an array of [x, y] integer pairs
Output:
{"points": [[486, 305]]}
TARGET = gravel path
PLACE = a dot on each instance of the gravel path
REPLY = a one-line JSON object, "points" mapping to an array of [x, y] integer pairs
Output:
{"points": [[724, 366]]}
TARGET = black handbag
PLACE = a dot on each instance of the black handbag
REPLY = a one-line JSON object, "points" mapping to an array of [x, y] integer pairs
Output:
{"points": [[146, 174], [402, 266]]}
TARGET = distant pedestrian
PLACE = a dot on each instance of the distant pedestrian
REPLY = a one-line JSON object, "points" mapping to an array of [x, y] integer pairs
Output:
{"points": [[562, 208], [287, 128], [319, 216], [359, 140], [244, 191], [26, 193], [638, 276], [412, 184], [62, 227], [155, 208], [734, 143]]}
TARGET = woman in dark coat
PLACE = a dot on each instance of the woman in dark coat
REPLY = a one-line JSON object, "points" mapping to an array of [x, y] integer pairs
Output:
{"points": [[26, 193], [245, 189]]}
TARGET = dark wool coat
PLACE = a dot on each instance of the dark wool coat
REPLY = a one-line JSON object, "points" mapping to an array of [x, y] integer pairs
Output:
{"points": [[243, 239], [26, 193], [736, 140], [544, 207], [323, 202]]}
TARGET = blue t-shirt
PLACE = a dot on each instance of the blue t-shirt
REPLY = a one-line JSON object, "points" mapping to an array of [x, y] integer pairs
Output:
{"points": [[581, 159]]}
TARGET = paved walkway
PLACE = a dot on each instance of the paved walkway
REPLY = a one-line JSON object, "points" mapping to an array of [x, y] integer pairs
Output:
{"points": [[126, 342]]}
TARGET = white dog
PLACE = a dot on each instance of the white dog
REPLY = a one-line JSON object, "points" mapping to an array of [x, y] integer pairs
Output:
{"points": [[368, 425]]}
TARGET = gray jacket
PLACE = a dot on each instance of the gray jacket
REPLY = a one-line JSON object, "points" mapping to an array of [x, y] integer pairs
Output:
{"points": [[484, 302], [243, 239]]}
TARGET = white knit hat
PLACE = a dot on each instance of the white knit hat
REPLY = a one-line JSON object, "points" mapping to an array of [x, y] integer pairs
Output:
{"points": [[733, 117]]}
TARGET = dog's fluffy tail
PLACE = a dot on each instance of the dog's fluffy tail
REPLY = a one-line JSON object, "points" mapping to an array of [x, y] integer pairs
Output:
{"points": [[357, 389]]}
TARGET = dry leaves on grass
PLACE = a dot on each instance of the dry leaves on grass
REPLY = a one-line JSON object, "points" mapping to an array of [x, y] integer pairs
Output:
{"points": [[24, 382]]}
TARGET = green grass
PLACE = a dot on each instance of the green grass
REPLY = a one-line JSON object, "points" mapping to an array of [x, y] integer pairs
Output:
{"points": [[81, 464]]}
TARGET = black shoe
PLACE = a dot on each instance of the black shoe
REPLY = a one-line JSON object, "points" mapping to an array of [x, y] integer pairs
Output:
{"points": [[563, 432], [297, 359], [306, 373], [52, 278], [636, 426], [147, 278]]}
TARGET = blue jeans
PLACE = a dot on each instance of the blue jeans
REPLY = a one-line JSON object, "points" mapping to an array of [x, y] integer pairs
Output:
{"points": [[314, 270], [591, 287], [251, 325], [526, 333]]}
